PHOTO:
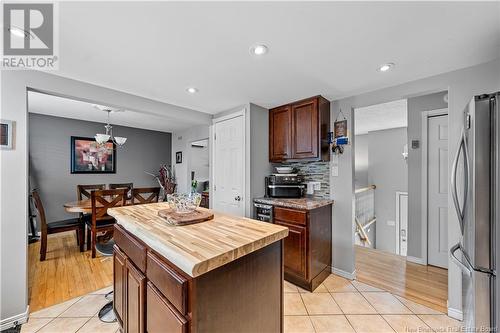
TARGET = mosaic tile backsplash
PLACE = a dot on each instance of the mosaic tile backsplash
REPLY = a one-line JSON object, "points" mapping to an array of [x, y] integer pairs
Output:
{"points": [[315, 172]]}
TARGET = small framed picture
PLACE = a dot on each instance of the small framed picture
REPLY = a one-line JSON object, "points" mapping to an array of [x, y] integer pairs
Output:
{"points": [[6, 134], [178, 157], [340, 128]]}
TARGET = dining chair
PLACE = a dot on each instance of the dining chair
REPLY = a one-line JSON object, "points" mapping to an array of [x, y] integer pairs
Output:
{"points": [[145, 195], [101, 201], [83, 193], [55, 227], [128, 186]]}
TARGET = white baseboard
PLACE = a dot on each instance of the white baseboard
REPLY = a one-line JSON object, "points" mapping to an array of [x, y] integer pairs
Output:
{"points": [[344, 274], [455, 314], [15, 320], [416, 260]]}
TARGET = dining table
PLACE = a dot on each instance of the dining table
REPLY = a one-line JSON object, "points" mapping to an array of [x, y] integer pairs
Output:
{"points": [[81, 206]]}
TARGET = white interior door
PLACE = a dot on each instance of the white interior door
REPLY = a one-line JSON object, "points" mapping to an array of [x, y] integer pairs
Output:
{"points": [[228, 161], [437, 191], [402, 217]]}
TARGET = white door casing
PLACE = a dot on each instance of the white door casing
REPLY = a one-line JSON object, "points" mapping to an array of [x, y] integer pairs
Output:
{"points": [[436, 212], [228, 165], [402, 223]]}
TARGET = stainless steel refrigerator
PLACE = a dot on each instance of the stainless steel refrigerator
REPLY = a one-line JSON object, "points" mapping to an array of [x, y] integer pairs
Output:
{"points": [[476, 197]]}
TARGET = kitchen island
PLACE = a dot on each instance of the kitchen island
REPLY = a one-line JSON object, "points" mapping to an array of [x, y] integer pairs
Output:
{"points": [[223, 275]]}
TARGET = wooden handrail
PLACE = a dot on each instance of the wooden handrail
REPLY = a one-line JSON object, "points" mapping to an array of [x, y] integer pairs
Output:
{"points": [[364, 189]]}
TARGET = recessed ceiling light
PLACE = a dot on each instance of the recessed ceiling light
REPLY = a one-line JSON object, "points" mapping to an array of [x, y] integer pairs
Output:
{"points": [[385, 67], [259, 49], [18, 32], [192, 90]]}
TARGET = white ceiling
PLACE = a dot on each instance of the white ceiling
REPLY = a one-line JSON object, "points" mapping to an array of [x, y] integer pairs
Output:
{"points": [[70, 108], [381, 116], [157, 49]]}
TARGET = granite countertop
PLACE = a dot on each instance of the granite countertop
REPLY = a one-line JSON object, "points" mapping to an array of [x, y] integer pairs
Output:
{"points": [[299, 203], [197, 248]]}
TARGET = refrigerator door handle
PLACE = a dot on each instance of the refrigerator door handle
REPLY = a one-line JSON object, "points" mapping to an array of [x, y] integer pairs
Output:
{"points": [[454, 191], [457, 261]]}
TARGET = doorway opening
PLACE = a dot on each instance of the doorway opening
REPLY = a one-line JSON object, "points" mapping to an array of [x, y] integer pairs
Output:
{"points": [[400, 199]]}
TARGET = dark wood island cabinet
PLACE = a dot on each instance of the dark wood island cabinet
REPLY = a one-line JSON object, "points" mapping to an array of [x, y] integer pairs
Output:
{"points": [[224, 275]]}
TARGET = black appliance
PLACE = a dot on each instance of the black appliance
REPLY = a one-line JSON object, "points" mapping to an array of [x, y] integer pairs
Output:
{"points": [[263, 212], [284, 186]]}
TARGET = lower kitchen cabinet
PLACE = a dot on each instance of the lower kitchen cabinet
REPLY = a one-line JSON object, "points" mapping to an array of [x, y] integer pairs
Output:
{"points": [[154, 296], [307, 249]]}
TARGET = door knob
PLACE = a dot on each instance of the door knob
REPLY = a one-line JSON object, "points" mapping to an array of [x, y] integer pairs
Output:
{"points": [[237, 198]]}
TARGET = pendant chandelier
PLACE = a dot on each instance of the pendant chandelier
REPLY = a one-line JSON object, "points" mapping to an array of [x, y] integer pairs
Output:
{"points": [[100, 138]]}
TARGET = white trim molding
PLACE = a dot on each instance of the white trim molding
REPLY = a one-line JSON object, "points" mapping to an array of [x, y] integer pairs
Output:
{"points": [[344, 274], [399, 194], [424, 220], [13, 321], [455, 314], [416, 260]]}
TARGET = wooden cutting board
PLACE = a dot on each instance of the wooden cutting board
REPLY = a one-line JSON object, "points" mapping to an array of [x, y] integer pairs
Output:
{"points": [[179, 219]]}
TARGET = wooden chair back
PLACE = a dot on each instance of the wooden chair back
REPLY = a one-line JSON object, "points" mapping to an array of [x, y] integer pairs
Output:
{"points": [[102, 200], [145, 195], [115, 186], [41, 211], [83, 191]]}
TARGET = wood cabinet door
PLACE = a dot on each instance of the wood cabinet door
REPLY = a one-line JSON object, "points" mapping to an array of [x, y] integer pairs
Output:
{"points": [[305, 129], [294, 249], [119, 282], [161, 315], [280, 133], [135, 299]]}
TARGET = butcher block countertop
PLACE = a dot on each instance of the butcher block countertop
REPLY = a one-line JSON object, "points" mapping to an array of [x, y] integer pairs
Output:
{"points": [[197, 248], [299, 203]]}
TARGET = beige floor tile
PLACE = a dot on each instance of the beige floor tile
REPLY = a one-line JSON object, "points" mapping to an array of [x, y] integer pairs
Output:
{"points": [[86, 307], [64, 325], [337, 284], [386, 303], [294, 305], [369, 324], [360, 286], [103, 291], [407, 323], [331, 324], [417, 308], [320, 304], [290, 288], [320, 289], [442, 323], [95, 325], [298, 324], [353, 303], [55, 310], [34, 324]]}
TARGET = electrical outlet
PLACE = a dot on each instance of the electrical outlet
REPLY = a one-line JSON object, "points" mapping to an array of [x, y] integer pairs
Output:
{"points": [[391, 223], [316, 186]]}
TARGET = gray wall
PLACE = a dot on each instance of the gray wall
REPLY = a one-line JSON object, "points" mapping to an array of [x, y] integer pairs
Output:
{"points": [[14, 167], [49, 147], [361, 159], [462, 85], [259, 149], [415, 107], [388, 170], [181, 141]]}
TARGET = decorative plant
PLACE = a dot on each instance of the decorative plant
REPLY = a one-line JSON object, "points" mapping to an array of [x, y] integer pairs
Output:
{"points": [[166, 179]]}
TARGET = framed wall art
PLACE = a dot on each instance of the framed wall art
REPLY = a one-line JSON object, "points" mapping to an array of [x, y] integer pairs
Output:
{"points": [[87, 156], [6, 134]]}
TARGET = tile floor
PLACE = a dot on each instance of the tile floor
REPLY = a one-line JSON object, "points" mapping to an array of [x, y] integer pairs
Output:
{"points": [[340, 305], [337, 305], [76, 315]]}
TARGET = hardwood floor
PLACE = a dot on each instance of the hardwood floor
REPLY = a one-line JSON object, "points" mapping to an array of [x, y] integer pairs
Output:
{"points": [[66, 273], [427, 285]]}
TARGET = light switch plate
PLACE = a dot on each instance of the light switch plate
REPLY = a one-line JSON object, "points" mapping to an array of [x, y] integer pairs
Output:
{"points": [[391, 223]]}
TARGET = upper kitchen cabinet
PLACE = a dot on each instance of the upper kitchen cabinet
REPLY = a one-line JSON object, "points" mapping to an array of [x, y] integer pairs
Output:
{"points": [[299, 131]]}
